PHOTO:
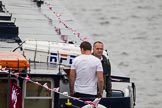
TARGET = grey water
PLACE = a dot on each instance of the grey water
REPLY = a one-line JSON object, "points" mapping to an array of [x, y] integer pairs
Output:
{"points": [[131, 31]]}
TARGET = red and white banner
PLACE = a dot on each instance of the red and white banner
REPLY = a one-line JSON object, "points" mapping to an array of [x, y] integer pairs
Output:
{"points": [[15, 96]]}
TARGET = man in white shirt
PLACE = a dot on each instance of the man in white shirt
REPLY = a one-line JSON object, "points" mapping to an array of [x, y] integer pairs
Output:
{"points": [[86, 74]]}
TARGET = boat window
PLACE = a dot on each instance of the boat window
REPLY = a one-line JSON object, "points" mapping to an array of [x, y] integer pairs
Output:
{"points": [[34, 90], [4, 91], [37, 96]]}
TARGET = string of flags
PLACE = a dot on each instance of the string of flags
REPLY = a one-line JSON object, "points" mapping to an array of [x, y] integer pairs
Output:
{"points": [[58, 30], [27, 78]]}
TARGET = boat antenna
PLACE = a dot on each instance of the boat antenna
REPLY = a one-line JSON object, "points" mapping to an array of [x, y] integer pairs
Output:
{"points": [[20, 46]]}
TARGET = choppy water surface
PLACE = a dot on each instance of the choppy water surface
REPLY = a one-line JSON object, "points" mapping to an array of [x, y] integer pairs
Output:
{"points": [[131, 31]]}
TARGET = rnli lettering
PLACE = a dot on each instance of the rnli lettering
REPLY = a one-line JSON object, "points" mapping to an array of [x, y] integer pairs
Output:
{"points": [[62, 58], [53, 58], [71, 59]]}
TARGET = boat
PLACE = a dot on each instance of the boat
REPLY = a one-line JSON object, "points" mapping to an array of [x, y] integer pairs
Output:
{"points": [[34, 73], [50, 67]]}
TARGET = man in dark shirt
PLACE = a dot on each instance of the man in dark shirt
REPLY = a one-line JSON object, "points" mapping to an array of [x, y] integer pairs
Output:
{"points": [[98, 48]]}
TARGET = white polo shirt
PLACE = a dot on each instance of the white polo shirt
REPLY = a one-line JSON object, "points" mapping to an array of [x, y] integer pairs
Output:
{"points": [[86, 67]]}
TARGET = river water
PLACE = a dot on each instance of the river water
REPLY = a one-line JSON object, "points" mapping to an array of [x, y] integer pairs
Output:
{"points": [[131, 31]]}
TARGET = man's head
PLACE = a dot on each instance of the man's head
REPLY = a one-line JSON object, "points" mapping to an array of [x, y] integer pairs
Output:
{"points": [[85, 46], [98, 49]]}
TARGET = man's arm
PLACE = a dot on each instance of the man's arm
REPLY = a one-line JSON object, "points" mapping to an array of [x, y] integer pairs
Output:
{"points": [[71, 81], [100, 83]]}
